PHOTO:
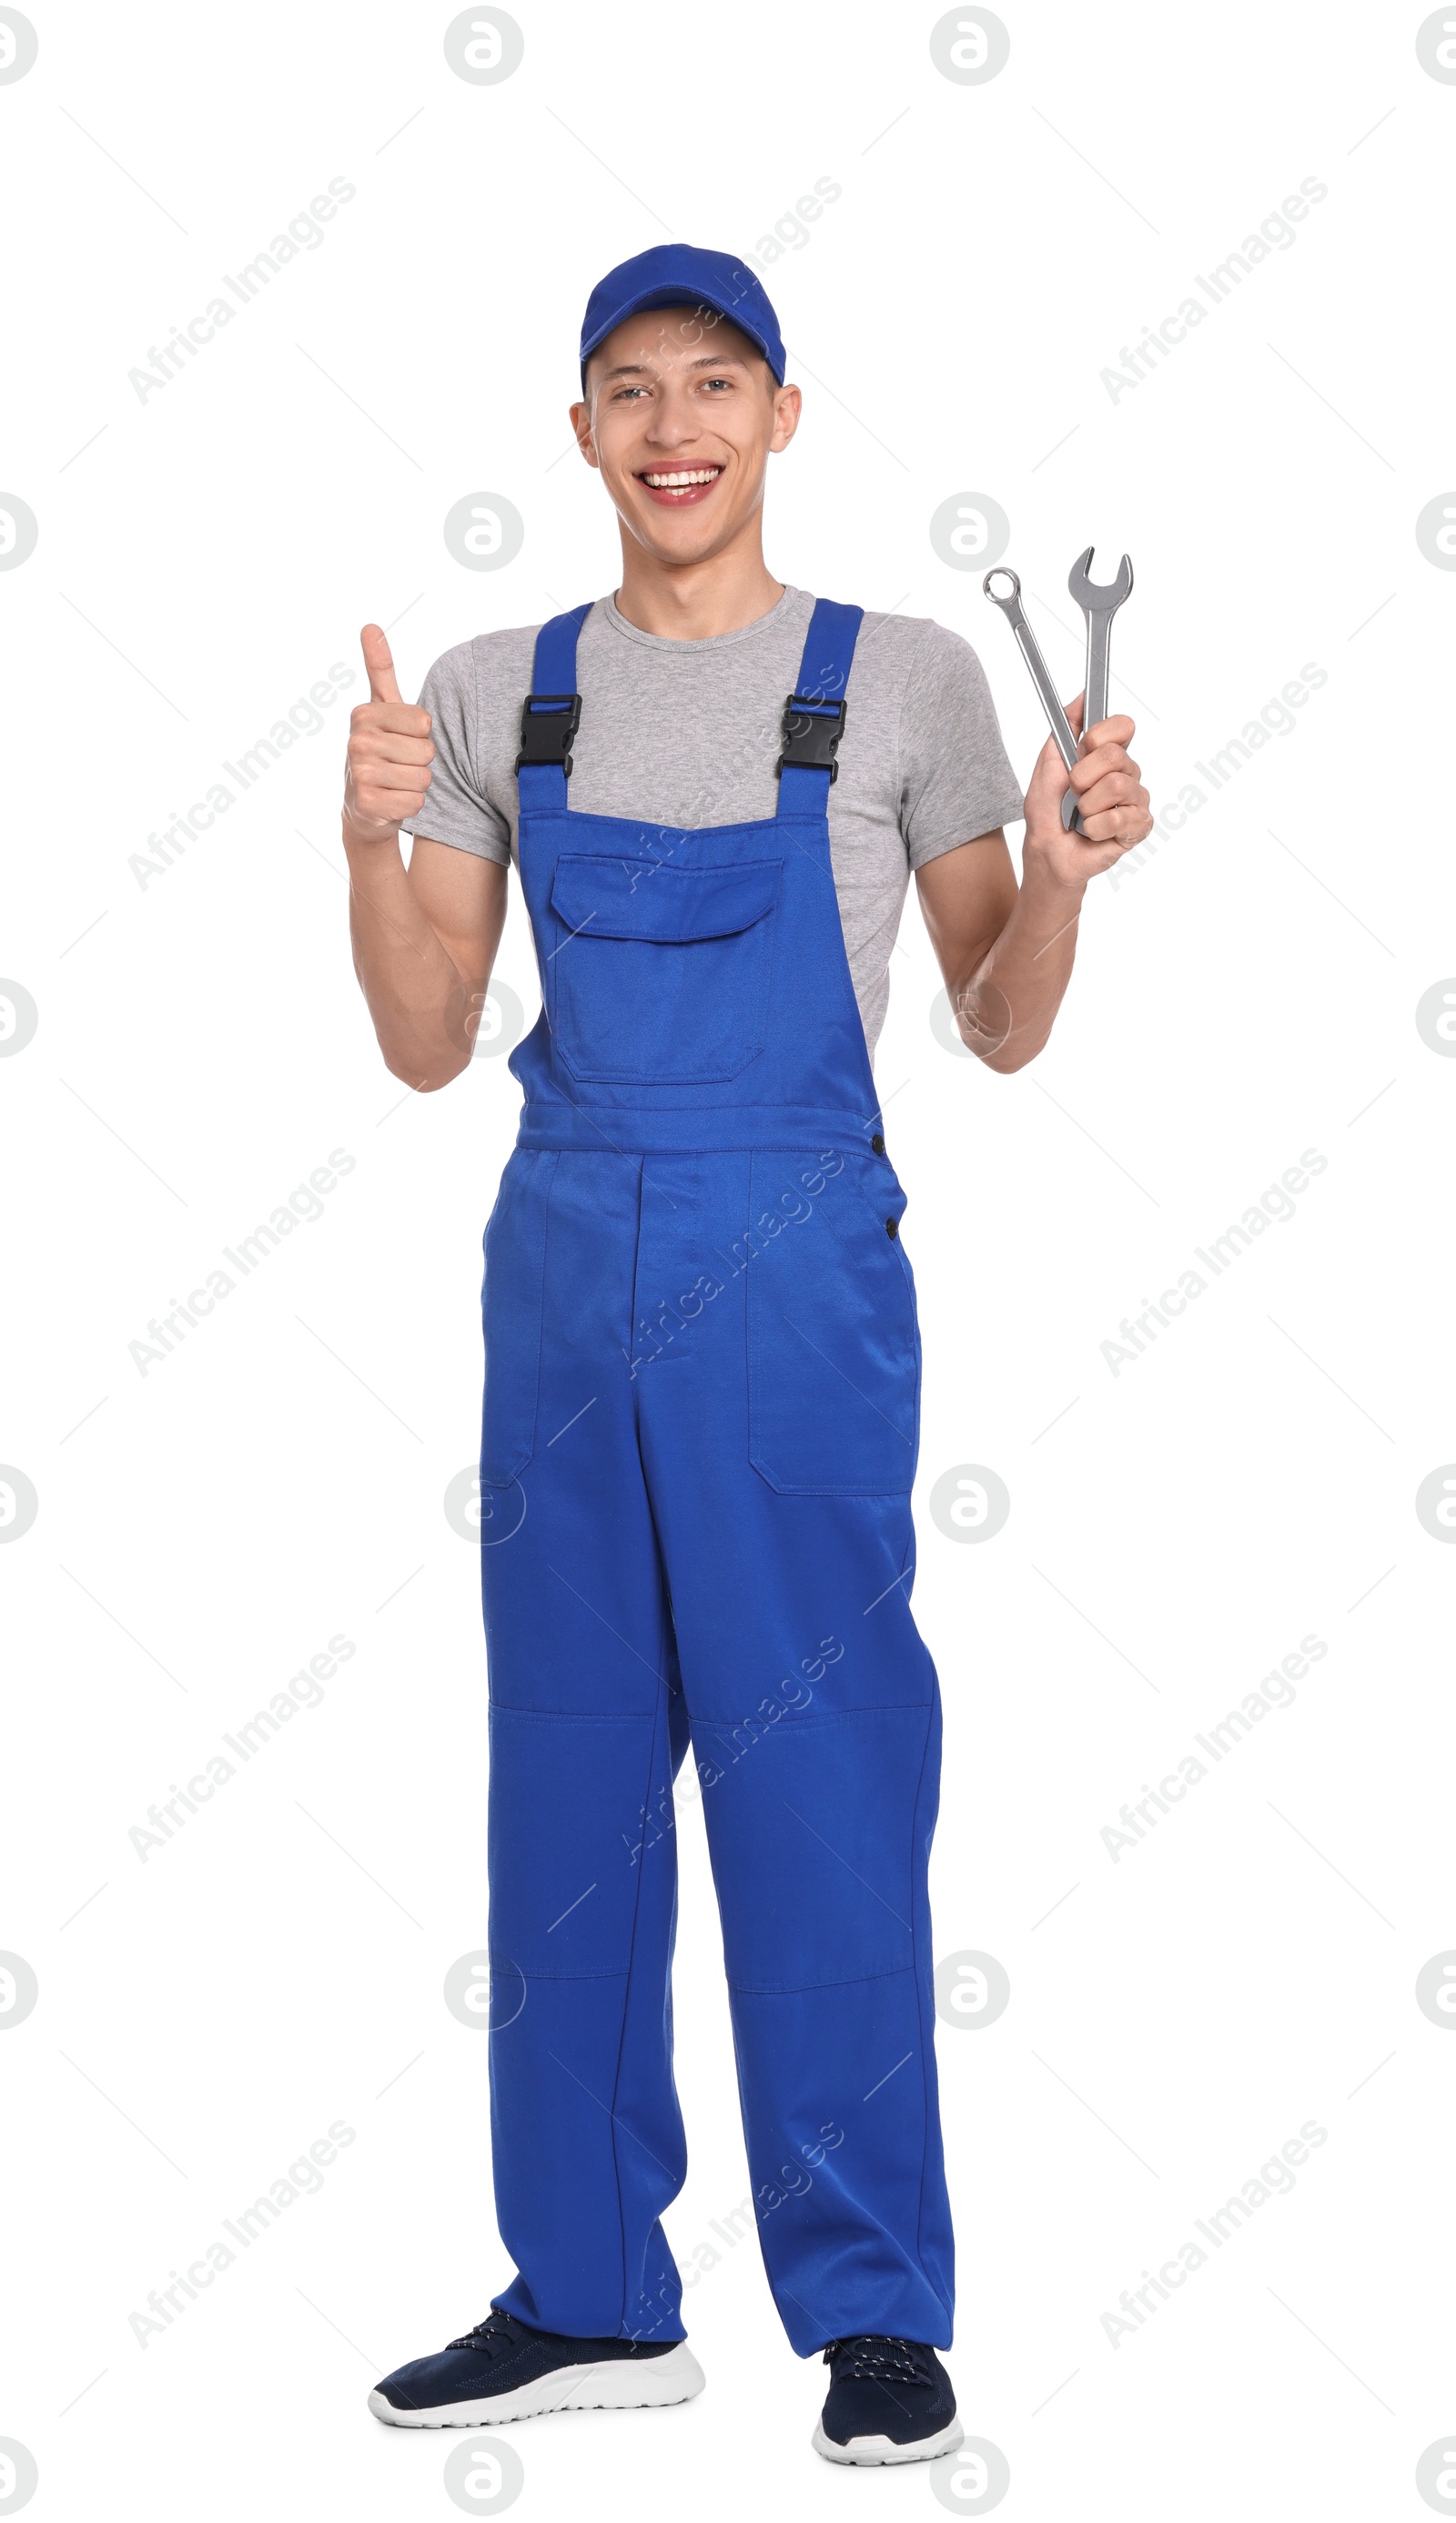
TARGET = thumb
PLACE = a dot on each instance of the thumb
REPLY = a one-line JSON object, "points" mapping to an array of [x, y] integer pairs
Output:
{"points": [[1075, 710], [379, 665]]}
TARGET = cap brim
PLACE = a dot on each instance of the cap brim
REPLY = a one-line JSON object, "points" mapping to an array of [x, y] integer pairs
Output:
{"points": [[670, 297]]}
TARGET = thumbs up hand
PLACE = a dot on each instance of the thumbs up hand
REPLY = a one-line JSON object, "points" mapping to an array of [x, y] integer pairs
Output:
{"points": [[389, 751]]}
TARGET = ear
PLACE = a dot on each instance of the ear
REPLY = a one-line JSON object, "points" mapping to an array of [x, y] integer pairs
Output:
{"points": [[788, 402], [579, 416]]}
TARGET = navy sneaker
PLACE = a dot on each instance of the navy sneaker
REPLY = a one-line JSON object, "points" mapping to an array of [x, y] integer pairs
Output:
{"points": [[504, 2369], [890, 2399]]}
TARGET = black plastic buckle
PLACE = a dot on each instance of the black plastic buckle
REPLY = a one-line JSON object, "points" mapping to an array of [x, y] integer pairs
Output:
{"points": [[548, 722], [812, 729]]}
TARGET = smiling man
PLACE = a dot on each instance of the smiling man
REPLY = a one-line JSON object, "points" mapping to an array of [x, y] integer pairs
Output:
{"points": [[702, 1360]]}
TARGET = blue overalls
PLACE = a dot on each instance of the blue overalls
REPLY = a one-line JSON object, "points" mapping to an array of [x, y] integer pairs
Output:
{"points": [[701, 1420]]}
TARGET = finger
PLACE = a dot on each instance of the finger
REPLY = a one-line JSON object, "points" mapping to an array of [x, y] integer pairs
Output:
{"points": [[379, 664], [1112, 731], [1125, 824], [1048, 773], [1096, 765], [1074, 713], [382, 745], [390, 720], [389, 811], [1117, 789], [384, 806], [392, 775]]}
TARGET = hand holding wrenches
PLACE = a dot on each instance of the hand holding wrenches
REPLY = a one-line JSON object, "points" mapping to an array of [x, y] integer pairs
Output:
{"points": [[1098, 605]]}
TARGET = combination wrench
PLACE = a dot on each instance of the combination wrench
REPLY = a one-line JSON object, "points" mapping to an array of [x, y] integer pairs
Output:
{"points": [[1098, 605], [1056, 716]]}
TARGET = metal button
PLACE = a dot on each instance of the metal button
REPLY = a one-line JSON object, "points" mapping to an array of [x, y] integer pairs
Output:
{"points": [[892, 1226], [877, 1144]]}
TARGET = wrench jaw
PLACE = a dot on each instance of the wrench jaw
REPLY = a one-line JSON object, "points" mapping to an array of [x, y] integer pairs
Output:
{"points": [[1098, 599]]}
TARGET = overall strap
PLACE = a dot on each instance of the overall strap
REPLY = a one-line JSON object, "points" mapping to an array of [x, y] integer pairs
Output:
{"points": [[815, 712], [551, 716]]}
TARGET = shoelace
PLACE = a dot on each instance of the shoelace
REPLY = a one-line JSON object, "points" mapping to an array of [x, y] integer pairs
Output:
{"points": [[490, 2337], [874, 2359]]}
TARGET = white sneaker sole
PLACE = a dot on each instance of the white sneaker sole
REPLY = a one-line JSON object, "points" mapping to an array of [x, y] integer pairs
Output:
{"points": [[620, 2383], [880, 2449]]}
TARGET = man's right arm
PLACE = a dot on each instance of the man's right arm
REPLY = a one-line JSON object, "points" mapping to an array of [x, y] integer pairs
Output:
{"points": [[424, 936]]}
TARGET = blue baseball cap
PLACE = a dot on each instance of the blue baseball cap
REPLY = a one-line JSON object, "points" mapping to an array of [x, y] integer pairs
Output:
{"points": [[684, 275]]}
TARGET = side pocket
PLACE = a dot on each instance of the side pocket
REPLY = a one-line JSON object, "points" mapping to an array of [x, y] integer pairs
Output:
{"points": [[833, 1343], [513, 1298]]}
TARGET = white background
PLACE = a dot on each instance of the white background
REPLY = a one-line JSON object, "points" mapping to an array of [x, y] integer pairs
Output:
{"points": [[1175, 1529]]}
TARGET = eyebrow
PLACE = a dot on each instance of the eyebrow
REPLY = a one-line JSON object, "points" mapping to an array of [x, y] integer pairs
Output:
{"points": [[640, 368]]}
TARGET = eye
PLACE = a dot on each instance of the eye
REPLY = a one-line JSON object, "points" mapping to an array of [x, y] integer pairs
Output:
{"points": [[723, 382]]}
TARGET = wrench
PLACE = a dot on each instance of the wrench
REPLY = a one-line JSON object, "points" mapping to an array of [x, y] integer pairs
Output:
{"points": [[1098, 604], [1056, 716]]}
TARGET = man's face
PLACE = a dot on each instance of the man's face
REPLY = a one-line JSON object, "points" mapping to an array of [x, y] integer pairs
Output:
{"points": [[682, 414]]}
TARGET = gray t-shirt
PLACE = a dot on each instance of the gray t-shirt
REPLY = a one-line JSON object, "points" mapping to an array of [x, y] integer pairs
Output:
{"points": [[687, 733]]}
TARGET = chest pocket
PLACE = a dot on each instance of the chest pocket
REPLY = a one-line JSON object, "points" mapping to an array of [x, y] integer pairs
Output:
{"points": [[662, 972]]}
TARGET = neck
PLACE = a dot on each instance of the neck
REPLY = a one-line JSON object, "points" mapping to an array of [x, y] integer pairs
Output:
{"points": [[696, 600]]}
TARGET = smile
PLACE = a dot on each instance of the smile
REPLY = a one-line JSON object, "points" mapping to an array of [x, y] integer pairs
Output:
{"points": [[681, 484]]}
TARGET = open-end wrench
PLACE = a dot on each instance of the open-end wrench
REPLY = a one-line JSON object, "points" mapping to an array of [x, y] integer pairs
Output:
{"points": [[1098, 604], [1056, 716]]}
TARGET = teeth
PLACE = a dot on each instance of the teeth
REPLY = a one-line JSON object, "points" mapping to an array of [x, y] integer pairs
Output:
{"points": [[680, 481]]}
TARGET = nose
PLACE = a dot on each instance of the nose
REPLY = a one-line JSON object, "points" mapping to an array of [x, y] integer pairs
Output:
{"points": [[672, 429]]}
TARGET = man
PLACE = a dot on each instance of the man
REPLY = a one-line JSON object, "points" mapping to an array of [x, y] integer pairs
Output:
{"points": [[702, 1363]]}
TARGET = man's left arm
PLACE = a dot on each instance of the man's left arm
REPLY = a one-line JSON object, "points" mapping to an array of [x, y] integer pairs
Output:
{"points": [[1006, 954]]}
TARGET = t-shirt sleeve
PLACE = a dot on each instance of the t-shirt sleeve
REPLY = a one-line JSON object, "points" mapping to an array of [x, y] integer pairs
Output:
{"points": [[956, 781], [456, 809]]}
